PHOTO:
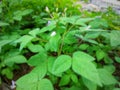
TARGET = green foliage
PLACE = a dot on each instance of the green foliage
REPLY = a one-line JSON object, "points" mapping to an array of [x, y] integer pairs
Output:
{"points": [[65, 51], [61, 64], [80, 61]]}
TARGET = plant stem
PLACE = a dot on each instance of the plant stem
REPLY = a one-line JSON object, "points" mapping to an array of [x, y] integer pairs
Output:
{"points": [[62, 39]]}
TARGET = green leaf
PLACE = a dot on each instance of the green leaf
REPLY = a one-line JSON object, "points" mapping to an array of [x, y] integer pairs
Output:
{"points": [[64, 80], [117, 59], [83, 21], [4, 42], [26, 12], [90, 85], [7, 72], [15, 59], [106, 77], [70, 38], [53, 43], [34, 32], [83, 46], [36, 48], [74, 78], [45, 84], [110, 68], [18, 14], [92, 35], [24, 40], [40, 70], [81, 65], [49, 27], [90, 41], [50, 63], [108, 60], [98, 23], [114, 38], [72, 19], [83, 56], [28, 80], [100, 54], [31, 82], [116, 89], [74, 88], [37, 59], [3, 24], [61, 64]]}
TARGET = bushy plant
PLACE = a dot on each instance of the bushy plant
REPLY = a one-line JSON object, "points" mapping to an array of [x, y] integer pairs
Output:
{"points": [[64, 51], [17, 18], [69, 53]]}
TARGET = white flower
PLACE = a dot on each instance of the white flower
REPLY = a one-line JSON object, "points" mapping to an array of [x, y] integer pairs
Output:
{"points": [[47, 9], [65, 9], [48, 23], [88, 27], [13, 85], [53, 34]]}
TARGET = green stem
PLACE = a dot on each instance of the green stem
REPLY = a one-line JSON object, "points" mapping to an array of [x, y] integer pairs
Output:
{"points": [[62, 39]]}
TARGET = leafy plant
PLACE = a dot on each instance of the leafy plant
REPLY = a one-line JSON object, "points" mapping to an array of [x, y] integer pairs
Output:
{"points": [[75, 65], [64, 53]]}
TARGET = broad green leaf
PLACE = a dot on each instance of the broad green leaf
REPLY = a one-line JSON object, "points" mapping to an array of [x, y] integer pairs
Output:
{"points": [[7, 72], [3, 24], [4, 42], [61, 64], [31, 82], [117, 59], [15, 59], [72, 19], [81, 65], [45, 84], [40, 70], [26, 12], [49, 27], [83, 46], [116, 89], [98, 23], [108, 60], [90, 85], [37, 59], [70, 38], [83, 21], [50, 63], [106, 77], [100, 54], [93, 34], [64, 80], [114, 38], [83, 56], [36, 48], [34, 32], [74, 88], [28, 80], [53, 43], [17, 17], [110, 68], [18, 14], [74, 78], [90, 41], [24, 40]]}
